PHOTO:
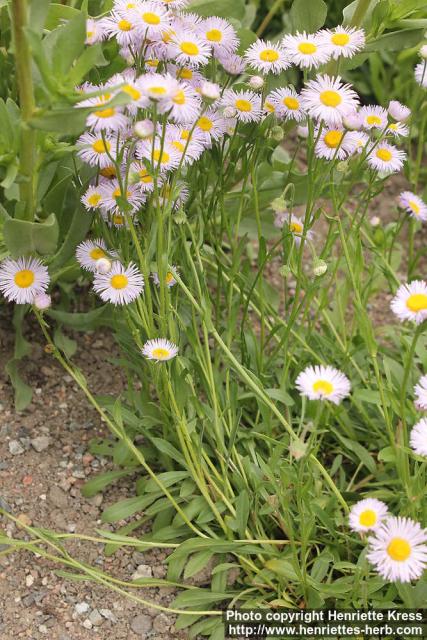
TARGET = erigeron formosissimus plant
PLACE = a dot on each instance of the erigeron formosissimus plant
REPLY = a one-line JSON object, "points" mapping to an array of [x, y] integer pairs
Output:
{"points": [[225, 380]]}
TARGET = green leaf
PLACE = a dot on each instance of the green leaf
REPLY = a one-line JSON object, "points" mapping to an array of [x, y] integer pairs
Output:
{"points": [[69, 44], [64, 343], [221, 8], [23, 392], [58, 13], [395, 41], [90, 58], [68, 122], [102, 480], [196, 563], [38, 15], [242, 512], [23, 237], [362, 453], [83, 321], [283, 568], [194, 598], [309, 16], [125, 508]]}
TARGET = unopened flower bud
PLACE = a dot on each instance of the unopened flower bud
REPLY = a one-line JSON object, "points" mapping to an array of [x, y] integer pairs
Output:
{"points": [[398, 111], [229, 112], [352, 121], [256, 83], [144, 129], [279, 204], [375, 221], [210, 91], [42, 301], [423, 51], [319, 267], [277, 133], [285, 271], [342, 166], [180, 217], [103, 265], [297, 449], [302, 131]]}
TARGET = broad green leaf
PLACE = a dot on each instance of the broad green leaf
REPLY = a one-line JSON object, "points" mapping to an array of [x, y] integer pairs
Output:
{"points": [[125, 508], [23, 237], [68, 122], [102, 480], [58, 13], [64, 343], [196, 563], [23, 392], [395, 41], [38, 14], [221, 8], [91, 57], [69, 44], [83, 321], [308, 16]]}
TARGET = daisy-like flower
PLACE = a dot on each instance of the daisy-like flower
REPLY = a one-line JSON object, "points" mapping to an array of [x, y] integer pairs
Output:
{"points": [[343, 41], [211, 125], [183, 105], [386, 158], [142, 177], [175, 4], [92, 198], [218, 34], [121, 285], [420, 391], [266, 57], [410, 302], [287, 104], [152, 18], [306, 50], [159, 349], [247, 105], [398, 129], [373, 117], [110, 119], [418, 438], [361, 141], [367, 515], [165, 157], [112, 197], [22, 279], [132, 88], [189, 75], [233, 64], [398, 111], [124, 29], [323, 383], [187, 48], [89, 252], [413, 204], [421, 74], [328, 99], [335, 144], [189, 148], [94, 31], [157, 87], [398, 549], [97, 150], [294, 224], [169, 278]]}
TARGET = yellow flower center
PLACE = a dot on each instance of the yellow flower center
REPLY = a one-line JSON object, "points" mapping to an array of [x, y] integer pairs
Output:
{"points": [[151, 18], [330, 98], [157, 91], [94, 199], [89, 34], [24, 278], [185, 134], [160, 354], [105, 113], [131, 91], [323, 386], [124, 25], [340, 39], [99, 146], [97, 253], [190, 48], [399, 549], [119, 281], [178, 145], [205, 124], [291, 103], [295, 227], [118, 219], [384, 154], [373, 120], [368, 518], [108, 172], [417, 302], [161, 156], [414, 206], [184, 73], [333, 138], [144, 176], [179, 97], [269, 107], [167, 35], [154, 62], [269, 55], [117, 193], [307, 48], [169, 277], [393, 126], [243, 105], [214, 35]]}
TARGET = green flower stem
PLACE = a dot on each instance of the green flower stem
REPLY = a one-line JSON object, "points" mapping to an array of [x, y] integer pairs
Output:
{"points": [[26, 98]]}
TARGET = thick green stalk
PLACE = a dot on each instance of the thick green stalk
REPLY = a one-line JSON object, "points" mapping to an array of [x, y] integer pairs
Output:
{"points": [[27, 104]]}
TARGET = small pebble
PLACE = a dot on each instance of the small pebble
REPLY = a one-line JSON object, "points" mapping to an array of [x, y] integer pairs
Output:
{"points": [[81, 607], [16, 448], [40, 443]]}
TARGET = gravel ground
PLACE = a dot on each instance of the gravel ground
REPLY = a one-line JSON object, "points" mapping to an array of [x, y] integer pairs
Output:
{"points": [[44, 460]]}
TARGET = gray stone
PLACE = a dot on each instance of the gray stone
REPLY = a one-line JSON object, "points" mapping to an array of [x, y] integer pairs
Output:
{"points": [[57, 497], [81, 607], [96, 618], [16, 448], [161, 623], [87, 624], [142, 571], [40, 443], [108, 615], [141, 625]]}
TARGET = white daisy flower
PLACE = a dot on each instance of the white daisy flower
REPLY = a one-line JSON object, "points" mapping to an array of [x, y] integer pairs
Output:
{"points": [[111, 119], [233, 64], [421, 74], [94, 31], [247, 105], [141, 176], [187, 48], [398, 549], [294, 224], [398, 111], [328, 99], [413, 204], [183, 105], [287, 104], [218, 34], [92, 198], [22, 279], [118, 220], [191, 76], [159, 349], [361, 141], [418, 438], [306, 50], [398, 129], [152, 18], [373, 117], [175, 4], [138, 99], [97, 150], [157, 87], [169, 278], [123, 29], [335, 143], [89, 252], [112, 197], [164, 157], [184, 142], [269, 106], [211, 125], [266, 57], [343, 41], [177, 198], [420, 391], [410, 302], [121, 285], [386, 158], [323, 383], [367, 515], [123, 6]]}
